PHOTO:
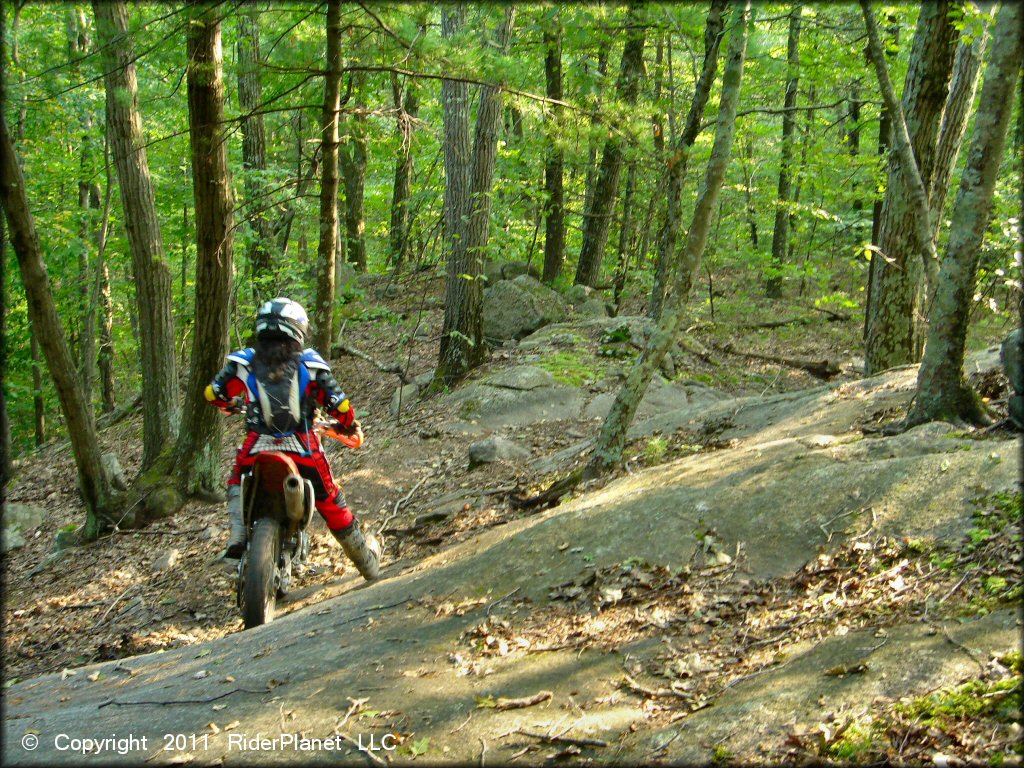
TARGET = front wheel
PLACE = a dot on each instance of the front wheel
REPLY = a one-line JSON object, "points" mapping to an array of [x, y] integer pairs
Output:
{"points": [[260, 592]]}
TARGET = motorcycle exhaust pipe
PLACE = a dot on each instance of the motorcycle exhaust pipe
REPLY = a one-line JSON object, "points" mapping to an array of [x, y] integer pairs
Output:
{"points": [[294, 498]]}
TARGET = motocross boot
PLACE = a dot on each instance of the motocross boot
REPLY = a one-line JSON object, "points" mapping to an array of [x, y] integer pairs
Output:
{"points": [[363, 551], [236, 537]]}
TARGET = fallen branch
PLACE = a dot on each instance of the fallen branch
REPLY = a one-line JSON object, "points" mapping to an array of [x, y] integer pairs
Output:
{"points": [[549, 497], [360, 747], [113, 702], [778, 323], [653, 693], [526, 701], [822, 369], [833, 316], [341, 348], [112, 418], [562, 739]]}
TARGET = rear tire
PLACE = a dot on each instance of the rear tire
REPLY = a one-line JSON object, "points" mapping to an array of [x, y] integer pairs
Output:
{"points": [[260, 592]]}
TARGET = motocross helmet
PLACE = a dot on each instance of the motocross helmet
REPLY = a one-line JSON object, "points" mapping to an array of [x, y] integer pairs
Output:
{"points": [[282, 316]]}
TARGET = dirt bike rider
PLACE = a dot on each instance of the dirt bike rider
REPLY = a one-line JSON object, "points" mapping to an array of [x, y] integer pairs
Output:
{"points": [[279, 384]]}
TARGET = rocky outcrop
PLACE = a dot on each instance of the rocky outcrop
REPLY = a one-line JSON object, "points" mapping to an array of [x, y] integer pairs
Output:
{"points": [[516, 308]]}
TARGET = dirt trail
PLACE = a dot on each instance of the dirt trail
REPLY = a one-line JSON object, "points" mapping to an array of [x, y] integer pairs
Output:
{"points": [[421, 660]]}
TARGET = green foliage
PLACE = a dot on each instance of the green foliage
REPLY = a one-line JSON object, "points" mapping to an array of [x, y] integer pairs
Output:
{"points": [[571, 367]]}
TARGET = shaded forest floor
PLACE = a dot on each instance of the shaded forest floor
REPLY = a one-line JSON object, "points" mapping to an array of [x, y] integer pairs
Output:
{"points": [[110, 601]]}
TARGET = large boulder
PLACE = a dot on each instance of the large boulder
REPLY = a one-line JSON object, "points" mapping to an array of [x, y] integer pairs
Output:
{"points": [[406, 395], [496, 449], [19, 521], [495, 271], [516, 308]]}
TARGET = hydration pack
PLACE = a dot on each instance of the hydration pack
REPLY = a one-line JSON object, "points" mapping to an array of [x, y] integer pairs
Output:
{"points": [[280, 401]]}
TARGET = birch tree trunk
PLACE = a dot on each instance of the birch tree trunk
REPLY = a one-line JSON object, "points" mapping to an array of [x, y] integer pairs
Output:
{"points": [[942, 390], [608, 451], [197, 452], [161, 411], [100, 500], [597, 218], [324, 311], [462, 339], [679, 157], [893, 323], [783, 207], [254, 150]]}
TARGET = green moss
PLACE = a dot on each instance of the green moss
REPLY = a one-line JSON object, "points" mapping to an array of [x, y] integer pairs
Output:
{"points": [[571, 368], [998, 700], [655, 449], [855, 742]]}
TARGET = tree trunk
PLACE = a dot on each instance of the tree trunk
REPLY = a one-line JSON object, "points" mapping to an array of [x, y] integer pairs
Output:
{"points": [[88, 202], [962, 88], [161, 412], [853, 131], [893, 324], [679, 157], [597, 218], [625, 236], [608, 451], [100, 503], [595, 123], [254, 151], [884, 142], [38, 402], [326, 252], [783, 208], [5, 423], [942, 391], [407, 105], [197, 452], [462, 341], [352, 158], [106, 353], [554, 205]]}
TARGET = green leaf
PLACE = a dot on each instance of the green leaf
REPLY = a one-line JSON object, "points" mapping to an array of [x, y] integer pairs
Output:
{"points": [[485, 702], [420, 747]]}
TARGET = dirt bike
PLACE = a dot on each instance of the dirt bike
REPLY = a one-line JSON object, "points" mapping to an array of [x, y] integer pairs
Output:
{"points": [[277, 506]]}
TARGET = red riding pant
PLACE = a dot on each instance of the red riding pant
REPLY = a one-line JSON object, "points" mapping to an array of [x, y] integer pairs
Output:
{"points": [[313, 466]]}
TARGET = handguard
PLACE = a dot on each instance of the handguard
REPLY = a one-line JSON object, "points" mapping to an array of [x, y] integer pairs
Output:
{"points": [[350, 436]]}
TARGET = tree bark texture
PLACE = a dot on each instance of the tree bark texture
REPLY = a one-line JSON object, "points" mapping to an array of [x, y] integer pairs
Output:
{"points": [[462, 341], [679, 157], [329, 232], [38, 400], [5, 423], [894, 323], [254, 150], [88, 201], [942, 391], [554, 164], [783, 203], [625, 235], [959, 103], [92, 481], [457, 351], [352, 157], [161, 412], [610, 443], [597, 217], [406, 98], [884, 142], [197, 451]]}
